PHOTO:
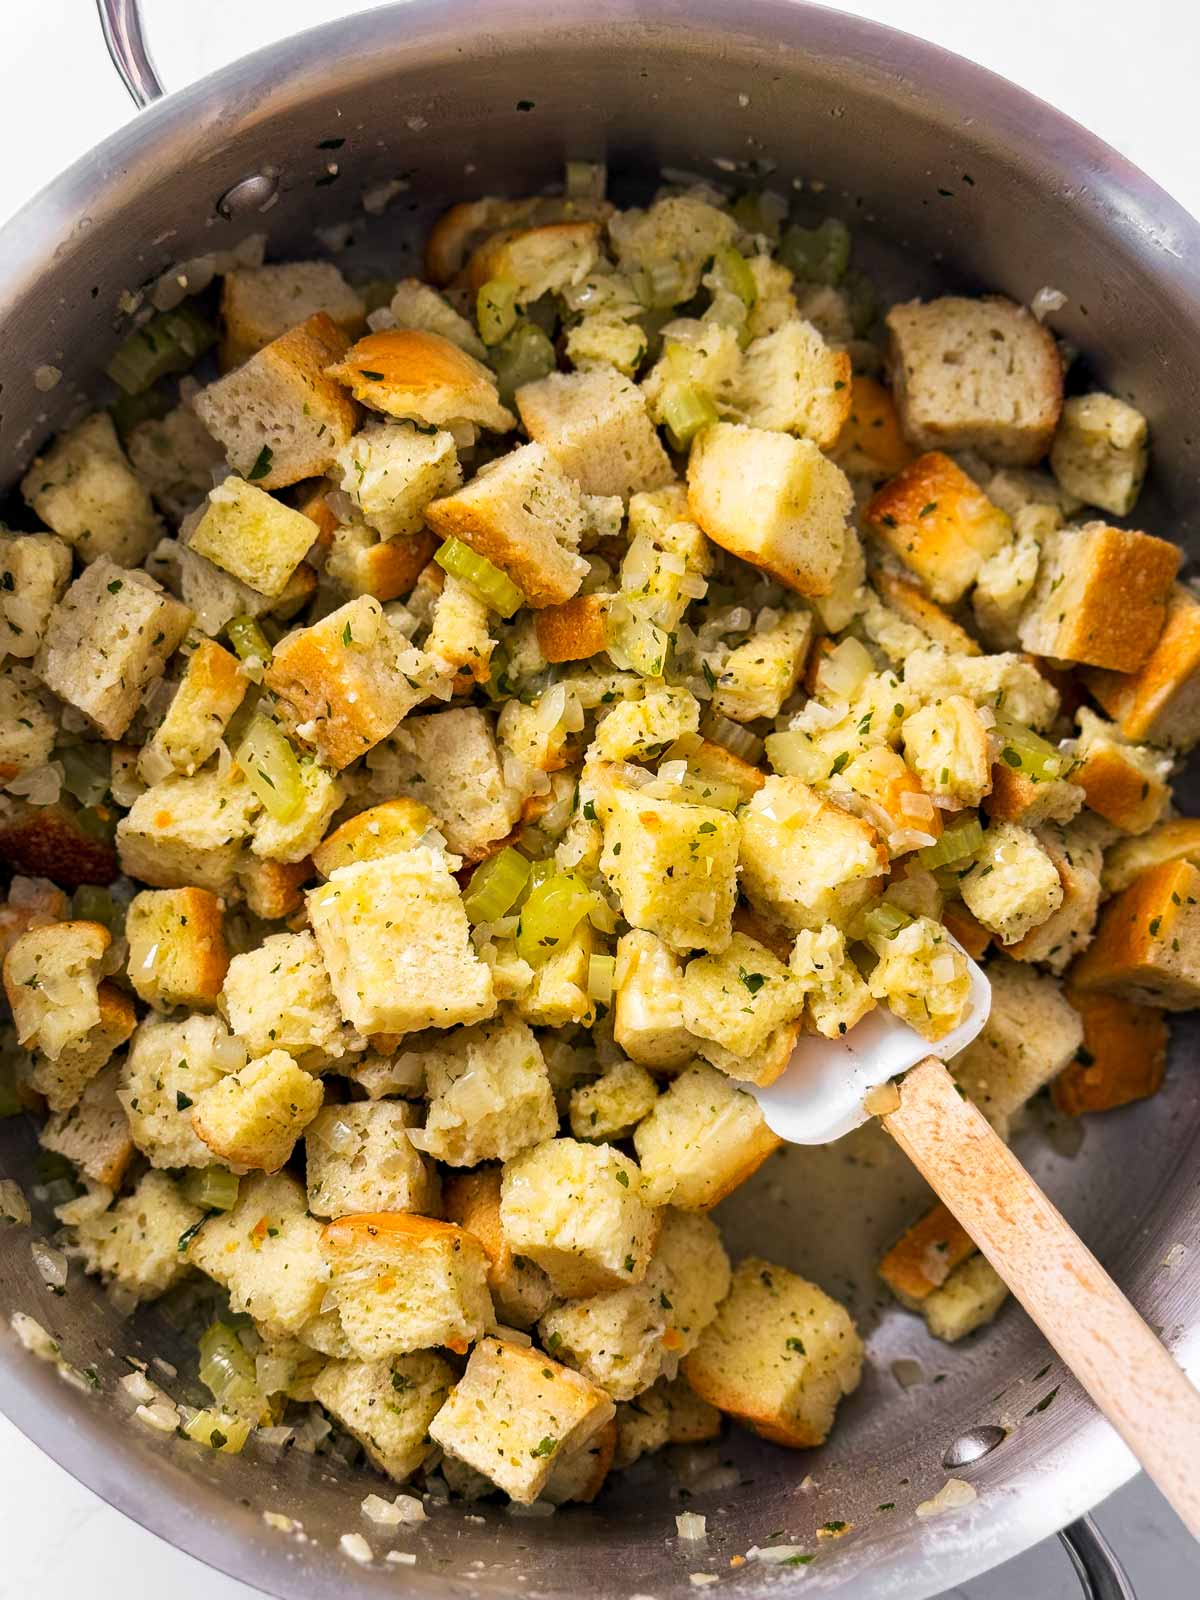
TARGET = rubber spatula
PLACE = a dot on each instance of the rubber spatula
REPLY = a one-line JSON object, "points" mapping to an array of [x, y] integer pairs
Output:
{"points": [[1130, 1376]]}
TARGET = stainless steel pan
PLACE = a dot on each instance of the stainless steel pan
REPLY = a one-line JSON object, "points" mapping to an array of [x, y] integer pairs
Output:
{"points": [[952, 177]]}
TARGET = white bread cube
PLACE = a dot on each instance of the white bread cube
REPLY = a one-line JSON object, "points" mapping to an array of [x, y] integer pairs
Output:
{"points": [[458, 641], [252, 536], [260, 303], [1005, 681], [278, 416], [1101, 596], [922, 977], [279, 997], [672, 866], [975, 375], [669, 1413], [177, 950], [188, 831], [556, 996], [1005, 580], [940, 524], [596, 426], [542, 260], [392, 470], [29, 720], [623, 1339], [489, 1094], [63, 1080], [169, 1065], [579, 1476], [792, 381], [84, 489], [520, 1290], [267, 1253], [52, 978], [758, 676], [913, 605], [779, 1356], [838, 996], [515, 1414], [741, 998], [637, 730], [703, 1138], [387, 1406], [1175, 840], [415, 375], [1013, 885], [704, 354], [1077, 858], [253, 1117], [1099, 452], [211, 689], [611, 1106], [679, 233], [273, 888], [378, 831], [449, 761], [135, 1243], [94, 1133], [107, 640], [175, 456], [35, 568], [416, 305], [970, 1297], [1160, 702], [1030, 1036], [360, 561], [576, 1210], [359, 1158], [524, 514], [396, 943], [925, 1255], [1127, 784], [648, 1002], [405, 1283], [772, 500], [946, 745], [607, 338], [216, 598], [344, 683], [805, 861]]}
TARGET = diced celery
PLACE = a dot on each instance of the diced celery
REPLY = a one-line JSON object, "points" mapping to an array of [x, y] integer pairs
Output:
{"points": [[550, 916], [496, 885], [219, 1431], [733, 737], [817, 255], [172, 341], [958, 841], [128, 410], [93, 904], [760, 212], [495, 588], [586, 180], [271, 768], [87, 771], [496, 309], [250, 643], [600, 978], [732, 272], [884, 921], [524, 356], [694, 789], [227, 1371], [686, 409], [1027, 752], [213, 1188]]}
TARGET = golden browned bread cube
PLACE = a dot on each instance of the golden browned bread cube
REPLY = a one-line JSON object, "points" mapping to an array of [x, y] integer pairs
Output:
{"points": [[407, 373], [94, 1133], [871, 444], [575, 630], [940, 524], [1160, 702], [520, 1290], [924, 1257], [1123, 1056], [703, 1138], [177, 950], [1147, 947]]}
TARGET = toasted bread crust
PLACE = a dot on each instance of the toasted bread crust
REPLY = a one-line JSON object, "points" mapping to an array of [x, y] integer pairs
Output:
{"points": [[575, 630], [494, 257], [912, 603], [871, 442], [1144, 948], [405, 372], [925, 1255], [1115, 620], [1118, 791], [939, 522], [1124, 1055], [1159, 700], [48, 842], [393, 825]]}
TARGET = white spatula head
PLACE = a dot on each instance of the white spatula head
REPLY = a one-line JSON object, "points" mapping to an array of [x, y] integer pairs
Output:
{"points": [[820, 1095]]}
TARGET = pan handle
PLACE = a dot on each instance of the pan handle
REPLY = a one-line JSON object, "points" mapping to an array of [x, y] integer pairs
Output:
{"points": [[1096, 1567], [121, 24]]}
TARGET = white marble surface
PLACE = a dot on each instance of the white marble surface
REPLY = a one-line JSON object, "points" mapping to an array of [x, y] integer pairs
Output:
{"points": [[1131, 75]]}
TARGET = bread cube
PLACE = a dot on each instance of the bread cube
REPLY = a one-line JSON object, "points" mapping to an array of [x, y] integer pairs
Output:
{"points": [[1002, 681], [1127, 784], [576, 1210], [870, 443], [406, 1283], [648, 1002], [520, 1290], [251, 535], [260, 303], [925, 1255], [1099, 452], [387, 1406], [267, 1253], [947, 747], [975, 375], [805, 861], [396, 943], [536, 261], [1160, 702], [837, 994], [392, 470], [136, 1242], [458, 641], [611, 1106], [1176, 840], [1101, 596], [211, 689], [940, 524], [758, 676], [637, 730], [293, 840], [253, 1117], [703, 1138], [1148, 941], [791, 380], [175, 457], [1005, 580], [579, 1477], [779, 1356], [772, 500], [359, 1158], [415, 305], [379, 831], [94, 1133], [28, 721], [672, 866], [108, 639], [52, 977], [910, 602], [85, 490], [412, 374], [741, 998], [669, 1413], [676, 237], [515, 1414], [361, 562], [707, 356], [1013, 885], [596, 426], [489, 1095], [922, 977], [169, 1066], [449, 761], [1029, 801], [576, 630], [177, 950], [216, 598], [1030, 1036], [1058, 940], [970, 1297], [63, 841], [344, 683], [279, 416], [31, 903], [188, 832], [1123, 1056], [35, 568], [63, 1080], [278, 997]]}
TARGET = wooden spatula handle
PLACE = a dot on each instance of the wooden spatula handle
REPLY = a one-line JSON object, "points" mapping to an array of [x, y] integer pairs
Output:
{"points": [[1131, 1378]]}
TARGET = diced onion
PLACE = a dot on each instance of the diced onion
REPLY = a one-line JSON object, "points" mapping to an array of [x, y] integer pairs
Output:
{"points": [[600, 978], [915, 804], [733, 737], [952, 1496], [51, 1264], [162, 1415], [357, 1548], [943, 968], [691, 1525], [218, 1431], [845, 669], [495, 588], [794, 755]]}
